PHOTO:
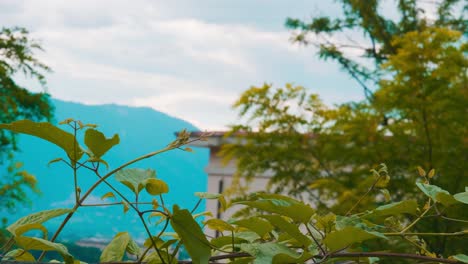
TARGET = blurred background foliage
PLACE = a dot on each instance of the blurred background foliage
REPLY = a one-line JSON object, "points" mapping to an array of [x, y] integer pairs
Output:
{"points": [[413, 71]]}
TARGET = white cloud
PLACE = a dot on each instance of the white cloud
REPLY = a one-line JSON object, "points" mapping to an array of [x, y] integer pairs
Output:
{"points": [[163, 55]]}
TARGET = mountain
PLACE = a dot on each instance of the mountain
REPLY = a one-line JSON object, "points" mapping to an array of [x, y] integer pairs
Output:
{"points": [[141, 130]]}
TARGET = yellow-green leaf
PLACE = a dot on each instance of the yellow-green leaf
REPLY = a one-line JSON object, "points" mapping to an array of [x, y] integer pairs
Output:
{"points": [[255, 224], [48, 132], [115, 250], [437, 194], [36, 218], [35, 243], [108, 195], [421, 171], [219, 225], [282, 205], [97, 143], [191, 234], [348, 236], [156, 186], [20, 255], [289, 228], [431, 174], [135, 179]]}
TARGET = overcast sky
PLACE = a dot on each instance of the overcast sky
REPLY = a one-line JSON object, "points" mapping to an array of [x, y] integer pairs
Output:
{"points": [[190, 59]]}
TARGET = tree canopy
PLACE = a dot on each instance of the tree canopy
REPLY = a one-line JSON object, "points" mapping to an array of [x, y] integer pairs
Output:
{"points": [[414, 119], [16, 102]]}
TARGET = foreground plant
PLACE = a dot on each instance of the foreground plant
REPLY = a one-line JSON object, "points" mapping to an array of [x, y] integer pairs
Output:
{"points": [[280, 229]]}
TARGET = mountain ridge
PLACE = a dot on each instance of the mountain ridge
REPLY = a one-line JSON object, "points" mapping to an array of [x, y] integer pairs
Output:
{"points": [[141, 130]]}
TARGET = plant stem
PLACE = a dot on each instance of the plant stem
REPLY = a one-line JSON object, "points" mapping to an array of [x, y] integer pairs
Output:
{"points": [[417, 220], [427, 234], [364, 195]]}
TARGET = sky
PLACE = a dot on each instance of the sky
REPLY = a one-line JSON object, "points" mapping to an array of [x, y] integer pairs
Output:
{"points": [[189, 59]]}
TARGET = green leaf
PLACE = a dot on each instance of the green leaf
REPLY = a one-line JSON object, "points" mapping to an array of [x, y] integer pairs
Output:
{"points": [[98, 143], [270, 252], [36, 218], [191, 234], [115, 250], [437, 194], [48, 132], [219, 225], [347, 236], [20, 255], [133, 248], [222, 241], [279, 204], [247, 235], [256, 224], [28, 227], [156, 186], [126, 207], [135, 179], [35, 243], [403, 207], [108, 195], [460, 257], [209, 196], [54, 161], [289, 228], [461, 197]]}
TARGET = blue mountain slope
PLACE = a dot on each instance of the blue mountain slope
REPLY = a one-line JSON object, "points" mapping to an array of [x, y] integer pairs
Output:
{"points": [[141, 130]]}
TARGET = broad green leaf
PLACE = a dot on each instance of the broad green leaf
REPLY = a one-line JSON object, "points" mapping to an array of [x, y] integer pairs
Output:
{"points": [[355, 221], [158, 241], [20, 255], [36, 218], [35, 243], [270, 252], [98, 143], [153, 258], [135, 179], [108, 195], [349, 235], [326, 222], [219, 225], [219, 197], [28, 227], [279, 204], [48, 132], [461, 197], [156, 186], [460, 257], [289, 228], [133, 248], [256, 224], [222, 241], [403, 207], [247, 235], [436, 193], [191, 234], [115, 250]]}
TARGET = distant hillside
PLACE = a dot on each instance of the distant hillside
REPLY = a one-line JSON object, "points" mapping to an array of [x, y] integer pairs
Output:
{"points": [[141, 130]]}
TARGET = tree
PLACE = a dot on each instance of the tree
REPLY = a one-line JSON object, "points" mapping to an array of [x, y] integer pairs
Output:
{"points": [[367, 19], [16, 102], [415, 116]]}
